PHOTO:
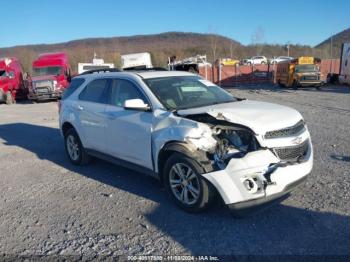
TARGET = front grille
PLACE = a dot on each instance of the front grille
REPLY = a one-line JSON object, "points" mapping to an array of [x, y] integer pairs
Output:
{"points": [[44, 86], [42, 90], [310, 78], [292, 153], [286, 132]]}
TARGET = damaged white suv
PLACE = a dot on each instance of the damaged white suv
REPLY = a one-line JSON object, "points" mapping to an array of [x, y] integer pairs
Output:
{"points": [[195, 137]]}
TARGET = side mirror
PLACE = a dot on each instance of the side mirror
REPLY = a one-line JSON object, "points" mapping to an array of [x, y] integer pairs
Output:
{"points": [[136, 104]]}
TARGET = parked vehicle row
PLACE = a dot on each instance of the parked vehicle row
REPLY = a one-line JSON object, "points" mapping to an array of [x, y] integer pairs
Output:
{"points": [[255, 60]]}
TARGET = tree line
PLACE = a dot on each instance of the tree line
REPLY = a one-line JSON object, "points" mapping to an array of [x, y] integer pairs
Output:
{"points": [[161, 47]]}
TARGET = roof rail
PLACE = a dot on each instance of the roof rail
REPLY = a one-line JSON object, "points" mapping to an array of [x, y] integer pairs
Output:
{"points": [[104, 70], [146, 69]]}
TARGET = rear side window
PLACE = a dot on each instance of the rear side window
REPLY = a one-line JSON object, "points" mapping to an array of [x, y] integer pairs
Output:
{"points": [[74, 85], [96, 91]]}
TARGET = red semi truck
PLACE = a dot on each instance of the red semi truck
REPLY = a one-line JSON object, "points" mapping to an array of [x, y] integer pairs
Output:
{"points": [[13, 82], [51, 75]]}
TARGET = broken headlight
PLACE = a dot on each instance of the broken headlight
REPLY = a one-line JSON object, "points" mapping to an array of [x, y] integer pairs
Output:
{"points": [[232, 143]]}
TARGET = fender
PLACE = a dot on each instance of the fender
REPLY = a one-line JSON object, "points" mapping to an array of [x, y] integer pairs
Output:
{"points": [[199, 156]]}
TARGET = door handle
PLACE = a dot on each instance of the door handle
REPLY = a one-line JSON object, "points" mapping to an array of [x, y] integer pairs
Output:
{"points": [[80, 108]]}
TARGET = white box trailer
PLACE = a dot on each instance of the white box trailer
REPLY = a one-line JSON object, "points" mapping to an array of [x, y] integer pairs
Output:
{"points": [[344, 76], [136, 61], [96, 64]]}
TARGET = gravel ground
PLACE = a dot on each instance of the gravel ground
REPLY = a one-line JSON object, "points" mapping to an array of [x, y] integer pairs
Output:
{"points": [[48, 206]]}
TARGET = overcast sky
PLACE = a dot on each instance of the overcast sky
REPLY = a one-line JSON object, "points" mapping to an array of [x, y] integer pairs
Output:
{"points": [[271, 21]]}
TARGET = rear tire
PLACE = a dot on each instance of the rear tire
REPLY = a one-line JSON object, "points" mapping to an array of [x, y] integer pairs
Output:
{"points": [[74, 148], [185, 185]]}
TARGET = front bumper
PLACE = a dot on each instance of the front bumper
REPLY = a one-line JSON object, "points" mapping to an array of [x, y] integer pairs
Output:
{"points": [[259, 203], [311, 83], [45, 96], [272, 178]]}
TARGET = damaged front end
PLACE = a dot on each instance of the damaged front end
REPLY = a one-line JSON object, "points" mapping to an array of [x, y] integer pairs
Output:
{"points": [[246, 171], [231, 140]]}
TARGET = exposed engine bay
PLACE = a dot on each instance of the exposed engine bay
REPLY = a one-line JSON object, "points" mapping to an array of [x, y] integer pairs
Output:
{"points": [[233, 141]]}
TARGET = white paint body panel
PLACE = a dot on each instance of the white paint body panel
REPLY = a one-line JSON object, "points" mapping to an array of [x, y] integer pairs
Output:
{"points": [[258, 116]]}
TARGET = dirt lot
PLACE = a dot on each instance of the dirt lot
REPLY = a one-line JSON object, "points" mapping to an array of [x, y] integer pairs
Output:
{"points": [[48, 206]]}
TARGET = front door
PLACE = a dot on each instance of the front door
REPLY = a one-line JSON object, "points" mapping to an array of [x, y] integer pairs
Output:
{"points": [[128, 132]]}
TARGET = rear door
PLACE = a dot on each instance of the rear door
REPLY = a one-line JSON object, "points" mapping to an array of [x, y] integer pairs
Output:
{"points": [[128, 132], [90, 109]]}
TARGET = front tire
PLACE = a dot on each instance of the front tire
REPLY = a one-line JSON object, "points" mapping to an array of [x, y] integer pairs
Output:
{"points": [[9, 98], [74, 148], [295, 85], [185, 185]]}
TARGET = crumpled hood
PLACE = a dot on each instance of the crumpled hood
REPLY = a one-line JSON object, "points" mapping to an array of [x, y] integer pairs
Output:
{"points": [[261, 117], [41, 78]]}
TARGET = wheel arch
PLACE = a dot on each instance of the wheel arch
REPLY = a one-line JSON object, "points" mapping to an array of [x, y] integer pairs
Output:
{"points": [[171, 147], [66, 126]]}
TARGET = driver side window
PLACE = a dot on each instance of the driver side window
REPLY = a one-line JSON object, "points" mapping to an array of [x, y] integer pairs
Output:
{"points": [[122, 90]]}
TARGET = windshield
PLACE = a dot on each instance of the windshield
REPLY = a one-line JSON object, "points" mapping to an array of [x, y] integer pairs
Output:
{"points": [[2, 73], [50, 70], [182, 92], [306, 68]]}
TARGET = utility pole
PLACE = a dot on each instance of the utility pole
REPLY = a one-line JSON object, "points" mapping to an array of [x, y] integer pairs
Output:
{"points": [[331, 46], [331, 65], [288, 46]]}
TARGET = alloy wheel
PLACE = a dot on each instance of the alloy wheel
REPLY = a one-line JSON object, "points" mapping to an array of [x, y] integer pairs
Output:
{"points": [[73, 147], [184, 183]]}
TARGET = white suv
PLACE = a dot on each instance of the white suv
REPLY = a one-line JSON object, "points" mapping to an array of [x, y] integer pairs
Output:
{"points": [[195, 137], [257, 60]]}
